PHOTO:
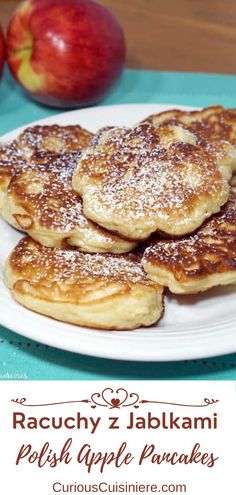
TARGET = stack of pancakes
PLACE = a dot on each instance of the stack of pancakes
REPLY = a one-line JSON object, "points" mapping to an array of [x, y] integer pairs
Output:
{"points": [[164, 189]]}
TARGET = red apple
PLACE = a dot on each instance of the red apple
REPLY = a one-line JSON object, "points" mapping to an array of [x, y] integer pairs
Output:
{"points": [[65, 53], [2, 50]]}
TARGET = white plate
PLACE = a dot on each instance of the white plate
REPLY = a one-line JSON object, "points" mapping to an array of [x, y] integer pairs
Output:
{"points": [[193, 326]]}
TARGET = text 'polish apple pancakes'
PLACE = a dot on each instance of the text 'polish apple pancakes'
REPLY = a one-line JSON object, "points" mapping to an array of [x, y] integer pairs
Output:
{"points": [[96, 290], [40, 201], [139, 180], [54, 138], [196, 263], [214, 127]]}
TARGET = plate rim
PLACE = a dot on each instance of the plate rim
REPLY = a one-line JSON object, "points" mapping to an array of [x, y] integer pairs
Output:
{"points": [[117, 356], [59, 115]]}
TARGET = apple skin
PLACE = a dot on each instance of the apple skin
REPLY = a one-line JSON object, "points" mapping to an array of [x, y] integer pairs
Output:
{"points": [[65, 53], [2, 51]]}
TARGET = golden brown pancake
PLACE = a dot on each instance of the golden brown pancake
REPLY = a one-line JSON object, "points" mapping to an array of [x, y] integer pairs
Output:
{"points": [[40, 201], [96, 290], [51, 138], [215, 122], [139, 180], [199, 262], [215, 128]]}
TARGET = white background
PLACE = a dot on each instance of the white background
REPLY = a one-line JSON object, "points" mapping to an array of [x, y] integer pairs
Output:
{"points": [[28, 479]]}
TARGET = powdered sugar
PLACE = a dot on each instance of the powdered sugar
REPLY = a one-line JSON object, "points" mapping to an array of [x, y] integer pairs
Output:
{"points": [[146, 173], [35, 262], [44, 189]]}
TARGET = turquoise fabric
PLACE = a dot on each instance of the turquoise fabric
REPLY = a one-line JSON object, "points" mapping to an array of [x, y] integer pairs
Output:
{"points": [[21, 358]]}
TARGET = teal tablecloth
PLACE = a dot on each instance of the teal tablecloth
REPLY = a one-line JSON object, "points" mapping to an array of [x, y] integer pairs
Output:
{"points": [[22, 358]]}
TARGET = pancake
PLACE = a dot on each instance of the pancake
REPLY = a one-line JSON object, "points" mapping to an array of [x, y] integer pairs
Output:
{"points": [[215, 122], [52, 138], [199, 262], [215, 128], [40, 201], [139, 180], [96, 290]]}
